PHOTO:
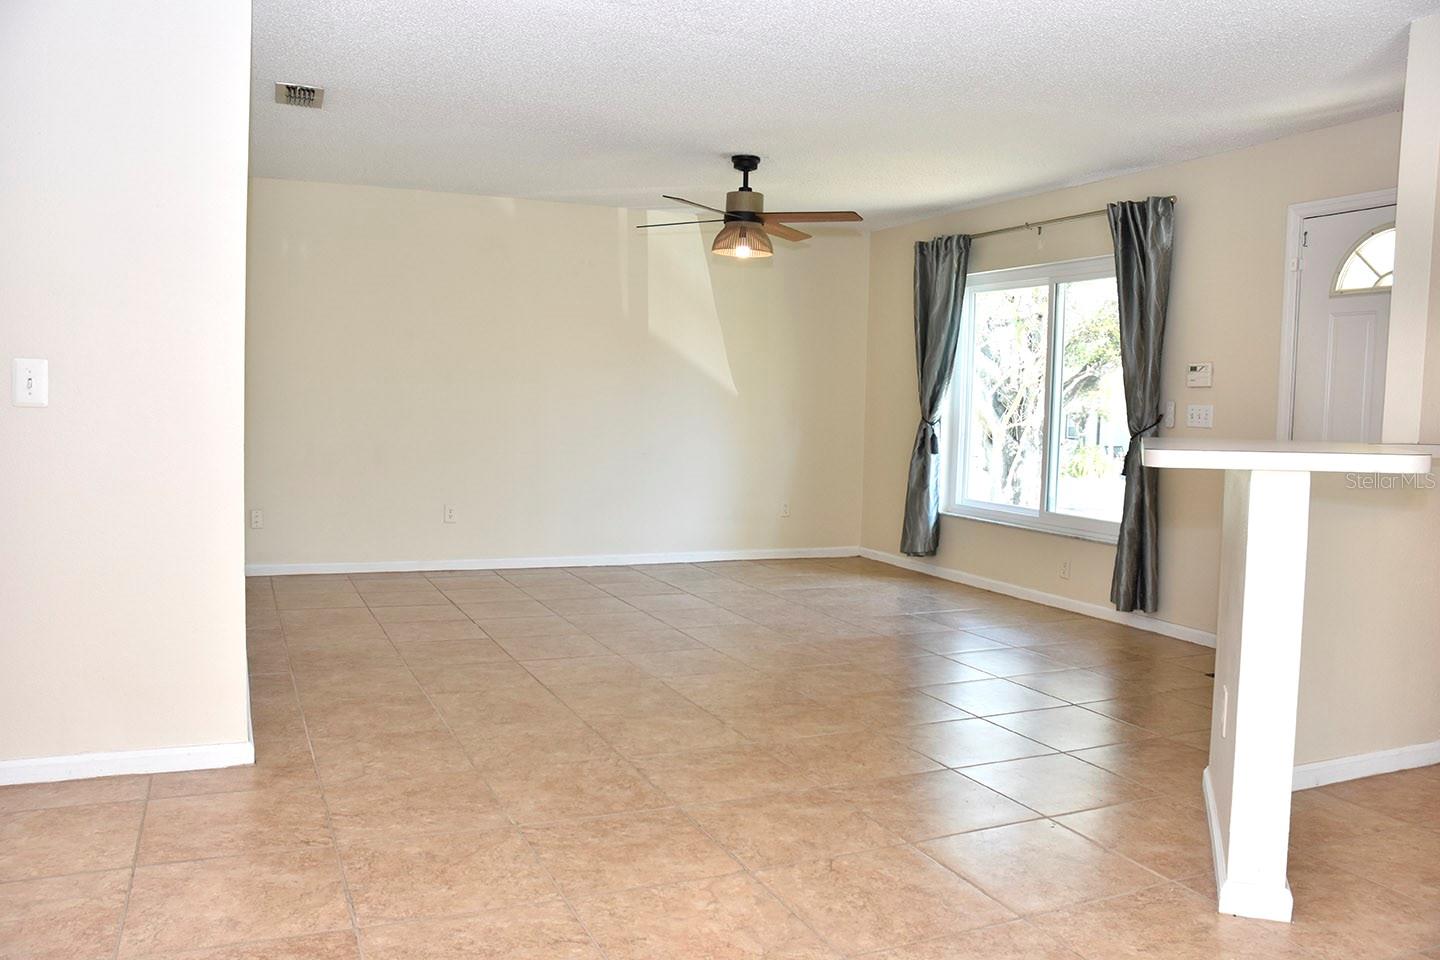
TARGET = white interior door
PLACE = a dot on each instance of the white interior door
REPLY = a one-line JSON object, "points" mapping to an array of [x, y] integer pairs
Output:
{"points": [[1342, 325]]}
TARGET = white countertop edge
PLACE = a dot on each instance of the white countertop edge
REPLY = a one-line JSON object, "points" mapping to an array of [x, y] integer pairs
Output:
{"points": [[1177, 454]]}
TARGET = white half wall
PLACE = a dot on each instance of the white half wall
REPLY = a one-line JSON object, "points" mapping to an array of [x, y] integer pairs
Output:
{"points": [[122, 262]]}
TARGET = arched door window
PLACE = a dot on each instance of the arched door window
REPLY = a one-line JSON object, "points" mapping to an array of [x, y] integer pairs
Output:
{"points": [[1370, 265]]}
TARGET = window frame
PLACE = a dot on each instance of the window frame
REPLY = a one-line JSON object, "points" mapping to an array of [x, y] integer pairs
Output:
{"points": [[1354, 251], [957, 407]]}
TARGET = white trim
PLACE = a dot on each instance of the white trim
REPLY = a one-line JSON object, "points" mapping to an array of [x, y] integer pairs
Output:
{"points": [[522, 563], [1295, 216], [1321, 772], [80, 766], [1096, 610], [1241, 899]]}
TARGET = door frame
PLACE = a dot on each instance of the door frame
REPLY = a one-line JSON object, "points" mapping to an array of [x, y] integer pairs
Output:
{"points": [[1295, 216]]}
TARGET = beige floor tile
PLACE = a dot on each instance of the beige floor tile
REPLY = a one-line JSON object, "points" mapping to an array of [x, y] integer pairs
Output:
{"points": [[674, 731], [536, 793], [1169, 922], [1159, 765], [407, 597], [728, 692], [936, 804], [230, 824], [388, 807], [608, 668], [782, 828], [1167, 836], [1010, 663], [628, 698], [986, 698], [70, 793], [228, 900], [469, 677], [387, 754], [63, 918], [419, 613], [1056, 784], [604, 854], [1158, 713], [848, 757], [506, 609], [450, 653], [1075, 686], [726, 773], [540, 646], [785, 722], [882, 898], [1406, 860], [1038, 866], [900, 708], [1340, 916], [60, 840], [1318, 818], [962, 743], [686, 663], [952, 643], [928, 670], [427, 631], [317, 599], [320, 946], [442, 875], [1017, 940], [1409, 795], [505, 700], [1070, 728], [542, 932], [726, 918], [566, 739]]}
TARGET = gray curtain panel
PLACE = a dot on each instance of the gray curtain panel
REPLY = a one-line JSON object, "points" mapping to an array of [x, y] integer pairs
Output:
{"points": [[940, 266], [1144, 233]]}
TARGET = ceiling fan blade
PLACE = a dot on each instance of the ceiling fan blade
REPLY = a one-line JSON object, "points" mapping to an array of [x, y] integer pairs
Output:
{"points": [[692, 203], [787, 233], [814, 216], [677, 223]]}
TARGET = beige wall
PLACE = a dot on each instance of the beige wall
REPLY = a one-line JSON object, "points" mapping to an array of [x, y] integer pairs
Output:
{"points": [[572, 386], [1372, 655], [122, 262]]}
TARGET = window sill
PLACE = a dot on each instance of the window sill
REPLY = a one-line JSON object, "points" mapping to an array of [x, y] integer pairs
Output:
{"points": [[1035, 526]]}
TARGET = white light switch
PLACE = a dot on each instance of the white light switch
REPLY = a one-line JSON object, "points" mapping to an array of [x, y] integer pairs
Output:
{"points": [[1200, 415], [30, 383]]}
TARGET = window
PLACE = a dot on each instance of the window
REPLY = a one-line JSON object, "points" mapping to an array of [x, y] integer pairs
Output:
{"points": [[1370, 267], [1038, 402]]}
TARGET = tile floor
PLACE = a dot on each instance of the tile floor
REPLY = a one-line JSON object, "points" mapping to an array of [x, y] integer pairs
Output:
{"points": [[800, 759]]}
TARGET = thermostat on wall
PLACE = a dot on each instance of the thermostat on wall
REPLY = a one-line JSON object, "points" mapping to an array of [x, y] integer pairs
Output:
{"points": [[1199, 374]]}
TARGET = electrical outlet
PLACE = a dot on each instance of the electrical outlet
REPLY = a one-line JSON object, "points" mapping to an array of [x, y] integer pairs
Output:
{"points": [[1064, 569], [1201, 415], [1169, 422], [785, 511], [257, 520], [449, 513]]}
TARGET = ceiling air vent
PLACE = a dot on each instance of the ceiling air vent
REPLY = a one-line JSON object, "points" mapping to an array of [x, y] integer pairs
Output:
{"points": [[299, 95]]}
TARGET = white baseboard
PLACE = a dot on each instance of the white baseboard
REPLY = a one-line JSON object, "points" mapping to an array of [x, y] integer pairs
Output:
{"points": [[523, 563], [1097, 610], [80, 766], [1235, 898], [1321, 772]]}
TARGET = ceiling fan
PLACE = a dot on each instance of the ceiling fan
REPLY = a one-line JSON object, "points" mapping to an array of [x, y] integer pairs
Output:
{"points": [[747, 226]]}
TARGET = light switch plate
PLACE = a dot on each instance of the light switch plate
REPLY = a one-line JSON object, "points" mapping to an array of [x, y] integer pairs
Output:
{"points": [[1200, 415], [30, 383], [1200, 374]]}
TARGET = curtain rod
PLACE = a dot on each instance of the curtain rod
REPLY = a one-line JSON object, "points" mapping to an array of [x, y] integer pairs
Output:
{"points": [[1044, 223]]}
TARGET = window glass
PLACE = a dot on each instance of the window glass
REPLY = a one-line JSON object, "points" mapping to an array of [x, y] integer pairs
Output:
{"points": [[1371, 265], [1090, 451], [1003, 459]]}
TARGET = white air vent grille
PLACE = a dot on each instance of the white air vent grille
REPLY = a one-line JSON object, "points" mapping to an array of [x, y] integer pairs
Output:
{"points": [[299, 95]]}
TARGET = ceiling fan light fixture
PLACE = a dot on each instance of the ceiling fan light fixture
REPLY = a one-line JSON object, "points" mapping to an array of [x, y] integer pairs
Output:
{"points": [[743, 240]]}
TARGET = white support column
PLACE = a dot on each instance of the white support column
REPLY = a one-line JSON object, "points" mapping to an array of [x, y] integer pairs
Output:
{"points": [[1412, 382], [1257, 683]]}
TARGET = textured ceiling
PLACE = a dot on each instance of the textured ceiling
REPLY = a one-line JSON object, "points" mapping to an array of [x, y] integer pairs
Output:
{"points": [[895, 108]]}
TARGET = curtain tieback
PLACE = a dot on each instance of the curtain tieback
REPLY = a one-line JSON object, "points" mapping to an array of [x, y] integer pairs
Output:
{"points": [[929, 435], [1133, 450]]}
